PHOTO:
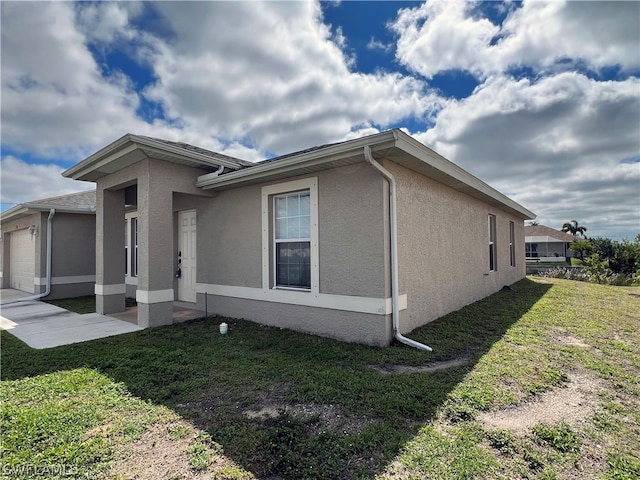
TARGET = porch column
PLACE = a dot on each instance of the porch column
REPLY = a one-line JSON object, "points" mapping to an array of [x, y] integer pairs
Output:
{"points": [[155, 251], [110, 253]]}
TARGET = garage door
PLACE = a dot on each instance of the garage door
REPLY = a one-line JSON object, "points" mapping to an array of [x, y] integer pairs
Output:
{"points": [[22, 264]]}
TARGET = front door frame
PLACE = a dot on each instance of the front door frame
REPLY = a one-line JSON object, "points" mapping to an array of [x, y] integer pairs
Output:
{"points": [[187, 259]]}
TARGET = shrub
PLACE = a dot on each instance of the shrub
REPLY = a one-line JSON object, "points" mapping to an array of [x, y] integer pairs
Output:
{"points": [[566, 273], [597, 269]]}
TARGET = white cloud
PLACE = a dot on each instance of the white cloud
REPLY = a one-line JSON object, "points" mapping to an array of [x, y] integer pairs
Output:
{"points": [[55, 102], [274, 70], [251, 79], [443, 35], [378, 45], [230, 72], [440, 35], [24, 182], [106, 21], [556, 145]]}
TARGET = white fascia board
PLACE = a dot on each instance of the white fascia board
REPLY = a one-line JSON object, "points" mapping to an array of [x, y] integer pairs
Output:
{"points": [[315, 157], [23, 210], [418, 150], [166, 148], [127, 144], [99, 158], [17, 211], [46, 208]]}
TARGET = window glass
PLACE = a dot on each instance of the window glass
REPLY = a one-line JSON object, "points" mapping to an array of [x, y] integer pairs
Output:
{"points": [[512, 245], [293, 266], [292, 242], [492, 243]]}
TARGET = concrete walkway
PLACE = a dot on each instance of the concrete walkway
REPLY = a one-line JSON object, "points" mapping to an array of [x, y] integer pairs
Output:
{"points": [[42, 325]]}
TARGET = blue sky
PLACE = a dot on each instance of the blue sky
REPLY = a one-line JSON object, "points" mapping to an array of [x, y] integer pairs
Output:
{"points": [[539, 99]]}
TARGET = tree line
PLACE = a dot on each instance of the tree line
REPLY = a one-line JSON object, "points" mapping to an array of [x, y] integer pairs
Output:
{"points": [[606, 260]]}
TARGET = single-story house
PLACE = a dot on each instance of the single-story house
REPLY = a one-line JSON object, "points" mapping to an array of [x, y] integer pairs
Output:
{"points": [[361, 240], [49, 246], [546, 244]]}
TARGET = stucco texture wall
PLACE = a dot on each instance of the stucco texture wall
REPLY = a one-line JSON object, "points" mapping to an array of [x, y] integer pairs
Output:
{"points": [[443, 248], [351, 234], [73, 245], [353, 327]]}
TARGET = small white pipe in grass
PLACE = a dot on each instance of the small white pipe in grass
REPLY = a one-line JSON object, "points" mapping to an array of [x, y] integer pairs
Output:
{"points": [[395, 285]]}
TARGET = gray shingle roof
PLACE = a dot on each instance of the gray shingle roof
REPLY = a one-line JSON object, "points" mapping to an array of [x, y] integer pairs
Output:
{"points": [[300, 152], [81, 200], [201, 151]]}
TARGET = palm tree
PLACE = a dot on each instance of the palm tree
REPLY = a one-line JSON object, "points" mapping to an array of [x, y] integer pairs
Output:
{"points": [[581, 246], [573, 228]]}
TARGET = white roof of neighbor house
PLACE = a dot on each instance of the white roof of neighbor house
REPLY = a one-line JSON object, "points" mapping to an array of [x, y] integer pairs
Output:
{"points": [[80, 202], [544, 234]]}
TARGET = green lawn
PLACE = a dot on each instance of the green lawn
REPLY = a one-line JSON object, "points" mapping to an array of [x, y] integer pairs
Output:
{"points": [[278, 404]]}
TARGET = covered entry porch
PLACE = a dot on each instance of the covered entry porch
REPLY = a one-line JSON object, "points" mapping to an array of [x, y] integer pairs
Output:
{"points": [[156, 181]]}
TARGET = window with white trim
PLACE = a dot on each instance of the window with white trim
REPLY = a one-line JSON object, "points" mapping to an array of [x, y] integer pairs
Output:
{"points": [[492, 244], [292, 240], [290, 236], [512, 244]]}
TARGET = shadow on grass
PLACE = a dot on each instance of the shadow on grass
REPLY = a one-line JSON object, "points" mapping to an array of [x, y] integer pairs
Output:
{"points": [[287, 405]]}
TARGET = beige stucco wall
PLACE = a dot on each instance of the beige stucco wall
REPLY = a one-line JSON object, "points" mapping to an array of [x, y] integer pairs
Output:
{"points": [[353, 327], [443, 248], [351, 234], [352, 255], [73, 245], [73, 252]]}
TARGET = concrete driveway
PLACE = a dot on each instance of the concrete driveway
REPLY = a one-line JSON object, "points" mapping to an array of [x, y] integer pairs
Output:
{"points": [[42, 325]]}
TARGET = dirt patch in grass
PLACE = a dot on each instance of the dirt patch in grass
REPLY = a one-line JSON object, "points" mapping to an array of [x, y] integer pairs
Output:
{"points": [[431, 367], [330, 417], [175, 451], [566, 338], [572, 403]]}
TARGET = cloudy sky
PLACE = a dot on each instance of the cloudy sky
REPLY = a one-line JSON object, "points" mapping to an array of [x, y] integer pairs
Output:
{"points": [[539, 99]]}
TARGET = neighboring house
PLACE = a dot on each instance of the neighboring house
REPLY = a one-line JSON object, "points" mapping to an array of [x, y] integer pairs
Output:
{"points": [[307, 241], [545, 244], [24, 254]]}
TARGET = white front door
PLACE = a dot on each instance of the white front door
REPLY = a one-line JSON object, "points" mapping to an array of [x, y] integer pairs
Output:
{"points": [[187, 256], [22, 260]]}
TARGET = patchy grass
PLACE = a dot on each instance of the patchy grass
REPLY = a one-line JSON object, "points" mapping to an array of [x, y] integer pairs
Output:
{"points": [[80, 305], [277, 404]]}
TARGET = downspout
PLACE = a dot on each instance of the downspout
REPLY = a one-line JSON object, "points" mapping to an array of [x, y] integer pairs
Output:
{"points": [[395, 286], [47, 291], [219, 171]]}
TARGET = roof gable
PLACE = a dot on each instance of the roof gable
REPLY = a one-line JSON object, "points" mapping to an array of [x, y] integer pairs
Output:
{"points": [[130, 149]]}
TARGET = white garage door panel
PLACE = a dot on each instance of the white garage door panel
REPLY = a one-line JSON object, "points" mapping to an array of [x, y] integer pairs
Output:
{"points": [[23, 254]]}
